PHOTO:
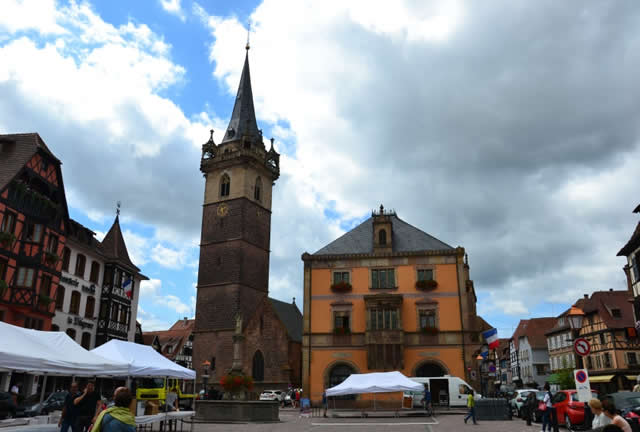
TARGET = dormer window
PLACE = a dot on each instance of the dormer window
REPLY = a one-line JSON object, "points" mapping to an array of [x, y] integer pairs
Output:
{"points": [[616, 313], [382, 237], [225, 186]]}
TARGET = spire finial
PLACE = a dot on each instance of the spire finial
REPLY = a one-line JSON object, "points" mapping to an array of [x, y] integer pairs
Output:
{"points": [[248, 34], [271, 143], [381, 209], [118, 208], [211, 137]]}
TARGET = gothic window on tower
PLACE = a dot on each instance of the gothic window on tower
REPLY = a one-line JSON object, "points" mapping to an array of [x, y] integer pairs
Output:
{"points": [[257, 370], [257, 192], [225, 186]]}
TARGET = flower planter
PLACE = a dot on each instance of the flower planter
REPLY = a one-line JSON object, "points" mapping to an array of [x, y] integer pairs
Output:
{"points": [[341, 331], [429, 330], [341, 287], [236, 386], [51, 258], [426, 285]]}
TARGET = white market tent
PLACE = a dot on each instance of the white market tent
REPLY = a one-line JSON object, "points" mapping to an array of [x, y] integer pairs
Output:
{"points": [[142, 360], [51, 353], [377, 382]]}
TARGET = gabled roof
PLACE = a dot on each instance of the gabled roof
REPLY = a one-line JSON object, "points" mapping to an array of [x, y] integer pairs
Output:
{"points": [[536, 329], [175, 337], [604, 302], [16, 151], [290, 316], [406, 238], [115, 249], [243, 118]]}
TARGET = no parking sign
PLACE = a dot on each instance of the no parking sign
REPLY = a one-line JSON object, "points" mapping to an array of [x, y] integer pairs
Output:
{"points": [[582, 385]]}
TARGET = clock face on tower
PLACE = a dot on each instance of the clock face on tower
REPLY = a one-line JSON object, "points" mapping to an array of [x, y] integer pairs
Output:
{"points": [[222, 210]]}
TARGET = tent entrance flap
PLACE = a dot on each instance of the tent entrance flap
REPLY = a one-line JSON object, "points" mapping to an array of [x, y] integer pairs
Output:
{"points": [[377, 382]]}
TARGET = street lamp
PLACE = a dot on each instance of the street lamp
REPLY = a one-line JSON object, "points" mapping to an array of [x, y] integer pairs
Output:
{"points": [[205, 377], [575, 315]]}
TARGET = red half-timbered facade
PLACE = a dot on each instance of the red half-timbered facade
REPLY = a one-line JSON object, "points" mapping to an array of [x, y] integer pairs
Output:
{"points": [[33, 227]]}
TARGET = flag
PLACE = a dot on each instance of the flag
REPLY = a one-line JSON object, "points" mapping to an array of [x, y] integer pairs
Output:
{"points": [[491, 336], [128, 287]]}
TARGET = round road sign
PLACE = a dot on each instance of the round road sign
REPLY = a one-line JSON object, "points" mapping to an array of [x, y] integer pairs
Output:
{"points": [[581, 376], [582, 347]]}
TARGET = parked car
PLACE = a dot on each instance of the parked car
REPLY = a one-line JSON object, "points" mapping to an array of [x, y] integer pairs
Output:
{"points": [[272, 395], [32, 406], [569, 409], [518, 400], [7, 407], [627, 404], [288, 398]]}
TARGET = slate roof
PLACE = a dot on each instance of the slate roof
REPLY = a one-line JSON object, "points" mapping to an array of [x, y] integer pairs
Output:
{"points": [[290, 316], [114, 247], [17, 150], [405, 238], [243, 117]]}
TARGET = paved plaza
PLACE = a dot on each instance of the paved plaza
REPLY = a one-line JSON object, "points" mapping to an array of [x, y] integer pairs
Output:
{"points": [[290, 421]]}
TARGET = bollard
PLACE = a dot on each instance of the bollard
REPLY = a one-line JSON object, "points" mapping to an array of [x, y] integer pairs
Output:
{"points": [[529, 414]]}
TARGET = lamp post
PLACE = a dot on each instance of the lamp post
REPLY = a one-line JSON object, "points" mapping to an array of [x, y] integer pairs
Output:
{"points": [[576, 316]]}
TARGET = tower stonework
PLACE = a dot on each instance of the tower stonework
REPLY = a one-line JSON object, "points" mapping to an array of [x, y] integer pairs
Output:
{"points": [[233, 275]]}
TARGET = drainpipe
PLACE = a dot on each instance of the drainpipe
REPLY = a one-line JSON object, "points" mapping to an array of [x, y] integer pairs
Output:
{"points": [[464, 354]]}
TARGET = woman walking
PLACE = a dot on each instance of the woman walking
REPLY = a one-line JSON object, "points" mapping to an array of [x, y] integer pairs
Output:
{"points": [[548, 406]]}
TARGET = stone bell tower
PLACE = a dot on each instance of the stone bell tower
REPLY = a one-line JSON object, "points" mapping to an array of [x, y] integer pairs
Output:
{"points": [[233, 274]]}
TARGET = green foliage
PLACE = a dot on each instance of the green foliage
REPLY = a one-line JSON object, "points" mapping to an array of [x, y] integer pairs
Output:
{"points": [[565, 379]]}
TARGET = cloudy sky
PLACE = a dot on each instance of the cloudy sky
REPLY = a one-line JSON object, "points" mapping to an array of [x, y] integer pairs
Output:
{"points": [[508, 127]]}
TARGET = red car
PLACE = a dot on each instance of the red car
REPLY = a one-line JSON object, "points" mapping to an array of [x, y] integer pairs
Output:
{"points": [[570, 411]]}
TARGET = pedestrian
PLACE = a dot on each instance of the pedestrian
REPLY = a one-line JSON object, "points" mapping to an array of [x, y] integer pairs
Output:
{"points": [[324, 403], [547, 405], [298, 399], [471, 404], [599, 419], [530, 406], [118, 418], [171, 403], [69, 410], [609, 409], [426, 400], [88, 405], [636, 388]]}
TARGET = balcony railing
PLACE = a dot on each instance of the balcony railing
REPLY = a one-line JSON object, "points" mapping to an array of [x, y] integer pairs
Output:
{"points": [[109, 326]]}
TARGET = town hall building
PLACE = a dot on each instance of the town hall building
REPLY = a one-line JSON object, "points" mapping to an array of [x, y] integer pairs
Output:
{"points": [[233, 276]]}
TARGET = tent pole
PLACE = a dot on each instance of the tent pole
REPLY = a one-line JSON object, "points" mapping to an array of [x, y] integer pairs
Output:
{"points": [[193, 403], [44, 384]]}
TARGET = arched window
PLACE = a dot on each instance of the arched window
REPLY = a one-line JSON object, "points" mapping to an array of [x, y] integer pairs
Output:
{"points": [[225, 185], [71, 333], [86, 340], [81, 260], [95, 272], [66, 256], [258, 366], [75, 303], [89, 309], [382, 237], [59, 297], [339, 373], [257, 191]]}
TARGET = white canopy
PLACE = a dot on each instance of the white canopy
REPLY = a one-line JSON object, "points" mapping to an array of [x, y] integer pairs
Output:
{"points": [[142, 360], [377, 382], [54, 353]]}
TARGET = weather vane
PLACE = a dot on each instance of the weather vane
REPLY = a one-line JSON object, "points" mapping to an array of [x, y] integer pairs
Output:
{"points": [[248, 34], [118, 208]]}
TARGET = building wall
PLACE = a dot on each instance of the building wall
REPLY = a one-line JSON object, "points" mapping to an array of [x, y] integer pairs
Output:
{"points": [[71, 282], [320, 349]]}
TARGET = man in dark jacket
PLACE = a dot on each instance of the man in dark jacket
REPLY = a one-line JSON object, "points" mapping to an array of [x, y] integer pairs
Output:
{"points": [[88, 406], [69, 411]]}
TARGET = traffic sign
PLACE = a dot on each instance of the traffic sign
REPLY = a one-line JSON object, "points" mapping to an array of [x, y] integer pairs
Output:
{"points": [[582, 347], [582, 385]]}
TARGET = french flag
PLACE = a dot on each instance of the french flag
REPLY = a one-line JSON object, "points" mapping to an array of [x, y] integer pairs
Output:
{"points": [[491, 336], [128, 287]]}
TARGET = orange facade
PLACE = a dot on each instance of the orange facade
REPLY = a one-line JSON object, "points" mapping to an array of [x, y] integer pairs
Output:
{"points": [[428, 329], [32, 225]]}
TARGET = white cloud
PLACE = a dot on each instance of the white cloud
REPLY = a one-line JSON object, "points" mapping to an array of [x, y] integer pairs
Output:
{"points": [[149, 289], [39, 15], [169, 258], [173, 7], [137, 246], [150, 294]]}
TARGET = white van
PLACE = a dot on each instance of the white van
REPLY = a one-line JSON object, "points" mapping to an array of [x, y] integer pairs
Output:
{"points": [[445, 391]]}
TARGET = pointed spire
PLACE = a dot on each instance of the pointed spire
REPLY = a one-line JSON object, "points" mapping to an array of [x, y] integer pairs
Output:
{"points": [[114, 247], [243, 118]]}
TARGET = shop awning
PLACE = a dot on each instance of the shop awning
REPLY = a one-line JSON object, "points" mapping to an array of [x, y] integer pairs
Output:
{"points": [[632, 377], [600, 379]]}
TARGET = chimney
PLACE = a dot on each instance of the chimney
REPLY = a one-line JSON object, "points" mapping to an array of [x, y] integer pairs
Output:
{"points": [[586, 296], [610, 289], [294, 301]]}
